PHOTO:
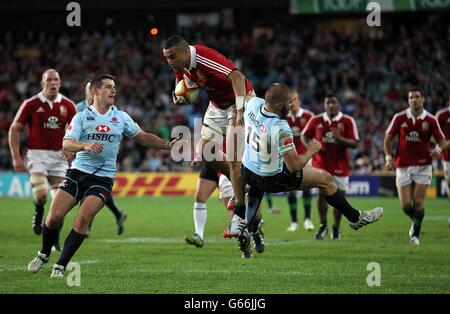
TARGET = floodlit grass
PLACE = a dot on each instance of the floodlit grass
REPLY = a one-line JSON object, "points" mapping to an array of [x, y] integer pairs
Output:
{"points": [[151, 256]]}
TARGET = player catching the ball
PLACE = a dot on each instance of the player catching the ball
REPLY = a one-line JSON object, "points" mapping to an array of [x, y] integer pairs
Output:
{"points": [[227, 88]]}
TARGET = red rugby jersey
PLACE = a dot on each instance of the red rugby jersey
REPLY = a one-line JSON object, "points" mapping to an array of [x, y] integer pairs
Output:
{"points": [[210, 70], [333, 157], [297, 124], [47, 120], [414, 137]]}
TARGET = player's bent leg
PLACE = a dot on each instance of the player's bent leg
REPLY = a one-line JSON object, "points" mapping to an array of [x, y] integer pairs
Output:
{"points": [[323, 180], [405, 195], [90, 206], [418, 213], [55, 181], [61, 205], [39, 187], [204, 190], [322, 209]]}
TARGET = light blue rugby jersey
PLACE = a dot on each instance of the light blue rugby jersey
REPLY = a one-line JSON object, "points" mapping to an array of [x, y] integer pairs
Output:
{"points": [[267, 138], [82, 105], [91, 126]]}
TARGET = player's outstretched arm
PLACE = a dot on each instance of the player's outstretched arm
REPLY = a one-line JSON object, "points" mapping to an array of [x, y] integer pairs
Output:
{"points": [[154, 141], [295, 162], [74, 146]]}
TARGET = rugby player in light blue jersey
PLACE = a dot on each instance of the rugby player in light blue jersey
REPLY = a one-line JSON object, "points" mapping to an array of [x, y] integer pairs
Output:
{"points": [[94, 135], [271, 163], [120, 215]]}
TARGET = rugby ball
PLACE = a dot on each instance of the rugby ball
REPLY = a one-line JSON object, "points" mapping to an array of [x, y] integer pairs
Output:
{"points": [[187, 90]]}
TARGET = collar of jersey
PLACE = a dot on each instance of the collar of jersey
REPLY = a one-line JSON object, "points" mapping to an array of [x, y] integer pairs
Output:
{"points": [[45, 99], [326, 117], [193, 63], [268, 114], [91, 107], [421, 117], [297, 115]]}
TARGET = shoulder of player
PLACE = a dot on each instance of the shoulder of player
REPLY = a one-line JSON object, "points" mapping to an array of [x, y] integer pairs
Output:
{"points": [[32, 101], [347, 118], [319, 117], [68, 102], [443, 112], [208, 58], [431, 117], [400, 115]]}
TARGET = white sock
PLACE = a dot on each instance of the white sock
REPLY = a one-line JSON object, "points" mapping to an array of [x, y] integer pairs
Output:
{"points": [[199, 218]]}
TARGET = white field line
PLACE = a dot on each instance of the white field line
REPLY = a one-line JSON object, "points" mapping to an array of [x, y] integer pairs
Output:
{"points": [[24, 268]]}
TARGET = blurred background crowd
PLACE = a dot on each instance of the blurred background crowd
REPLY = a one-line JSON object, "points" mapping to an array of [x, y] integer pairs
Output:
{"points": [[370, 69]]}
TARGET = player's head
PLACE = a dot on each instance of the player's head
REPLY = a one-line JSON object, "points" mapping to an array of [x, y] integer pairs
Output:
{"points": [[50, 83], [279, 98], [88, 92], [416, 99], [103, 88], [177, 52], [297, 101], [332, 105]]}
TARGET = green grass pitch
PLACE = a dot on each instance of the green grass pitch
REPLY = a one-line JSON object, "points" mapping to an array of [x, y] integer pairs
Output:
{"points": [[151, 256]]}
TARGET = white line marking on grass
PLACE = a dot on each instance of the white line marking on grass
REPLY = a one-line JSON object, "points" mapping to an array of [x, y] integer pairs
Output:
{"points": [[23, 268], [436, 217], [180, 240]]}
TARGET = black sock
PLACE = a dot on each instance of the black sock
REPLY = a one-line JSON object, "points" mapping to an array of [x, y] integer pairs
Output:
{"points": [[59, 233], [112, 207], [409, 211], [292, 200], [307, 203], [338, 201], [71, 245], [239, 209], [48, 239], [417, 217], [253, 227], [269, 200], [255, 197], [39, 208]]}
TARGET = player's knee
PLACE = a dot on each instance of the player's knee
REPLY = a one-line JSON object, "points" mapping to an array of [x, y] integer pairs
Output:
{"points": [[418, 204], [82, 222], [200, 198], [328, 185], [235, 164], [408, 209], [40, 196], [53, 220]]}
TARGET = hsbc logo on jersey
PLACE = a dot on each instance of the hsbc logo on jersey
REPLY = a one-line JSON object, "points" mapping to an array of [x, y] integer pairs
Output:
{"points": [[101, 137], [329, 138], [52, 123], [413, 136], [103, 128]]}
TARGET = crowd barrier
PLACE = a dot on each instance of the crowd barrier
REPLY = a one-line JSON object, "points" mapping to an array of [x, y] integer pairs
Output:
{"points": [[184, 184]]}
